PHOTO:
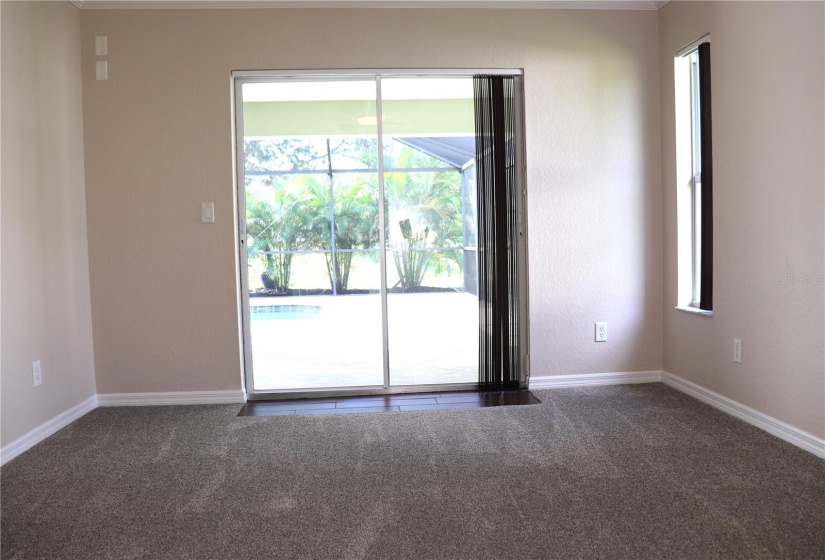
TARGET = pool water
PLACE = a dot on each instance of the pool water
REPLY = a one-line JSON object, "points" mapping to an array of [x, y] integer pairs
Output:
{"points": [[284, 312]]}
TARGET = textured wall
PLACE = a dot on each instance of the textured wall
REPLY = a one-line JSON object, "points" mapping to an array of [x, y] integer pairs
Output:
{"points": [[158, 143], [768, 92], [45, 275]]}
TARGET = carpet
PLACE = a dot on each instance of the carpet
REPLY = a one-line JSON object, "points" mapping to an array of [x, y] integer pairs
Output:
{"points": [[634, 471]]}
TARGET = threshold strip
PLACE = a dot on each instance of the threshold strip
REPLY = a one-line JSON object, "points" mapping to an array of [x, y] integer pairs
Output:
{"points": [[388, 403]]}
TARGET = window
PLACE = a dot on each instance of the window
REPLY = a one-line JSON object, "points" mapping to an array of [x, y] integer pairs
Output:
{"points": [[694, 173]]}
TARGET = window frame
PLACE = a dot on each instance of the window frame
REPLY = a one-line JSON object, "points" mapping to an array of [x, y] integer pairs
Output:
{"points": [[694, 178]]}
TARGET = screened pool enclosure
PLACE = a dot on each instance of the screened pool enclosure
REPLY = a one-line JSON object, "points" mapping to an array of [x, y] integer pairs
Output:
{"points": [[313, 221]]}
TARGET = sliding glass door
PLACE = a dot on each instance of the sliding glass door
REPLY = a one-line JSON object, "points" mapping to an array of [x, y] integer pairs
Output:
{"points": [[312, 234], [357, 232], [432, 302]]}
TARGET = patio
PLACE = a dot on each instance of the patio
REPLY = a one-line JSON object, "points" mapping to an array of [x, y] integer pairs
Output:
{"points": [[312, 342]]}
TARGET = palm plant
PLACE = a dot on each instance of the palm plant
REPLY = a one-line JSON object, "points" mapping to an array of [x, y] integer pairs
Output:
{"points": [[411, 265], [277, 221], [291, 213], [427, 207], [356, 222]]}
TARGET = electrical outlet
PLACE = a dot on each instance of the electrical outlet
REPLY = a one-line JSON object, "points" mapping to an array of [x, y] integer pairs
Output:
{"points": [[37, 373], [601, 332], [737, 350]]}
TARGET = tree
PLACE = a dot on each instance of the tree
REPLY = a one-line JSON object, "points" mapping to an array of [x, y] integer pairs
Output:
{"points": [[293, 154], [288, 213]]}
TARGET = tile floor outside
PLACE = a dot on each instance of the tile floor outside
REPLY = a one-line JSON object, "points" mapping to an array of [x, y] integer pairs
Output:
{"points": [[310, 342]]}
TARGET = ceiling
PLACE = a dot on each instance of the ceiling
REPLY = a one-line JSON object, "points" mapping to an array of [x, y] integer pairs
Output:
{"points": [[498, 4]]}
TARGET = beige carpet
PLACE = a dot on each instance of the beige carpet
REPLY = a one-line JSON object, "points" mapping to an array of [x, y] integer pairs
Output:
{"points": [[637, 471]]}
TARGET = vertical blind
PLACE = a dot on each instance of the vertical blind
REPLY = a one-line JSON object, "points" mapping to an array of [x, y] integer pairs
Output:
{"points": [[495, 116]]}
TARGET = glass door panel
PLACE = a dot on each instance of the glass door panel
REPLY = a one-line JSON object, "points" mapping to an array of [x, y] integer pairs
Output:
{"points": [[311, 196], [429, 192]]}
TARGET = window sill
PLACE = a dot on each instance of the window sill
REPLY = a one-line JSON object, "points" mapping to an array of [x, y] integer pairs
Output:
{"points": [[695, 310]]}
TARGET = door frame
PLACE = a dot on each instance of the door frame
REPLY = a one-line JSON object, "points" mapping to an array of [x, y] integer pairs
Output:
{"points": [[240, 77]]}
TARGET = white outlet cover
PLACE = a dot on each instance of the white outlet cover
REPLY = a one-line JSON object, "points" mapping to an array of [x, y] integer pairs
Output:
{"points": [[737, 350], [101, 45], [601, 332], [37, 373]]}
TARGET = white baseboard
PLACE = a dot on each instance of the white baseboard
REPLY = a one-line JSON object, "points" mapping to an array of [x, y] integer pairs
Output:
{"points": [[791, 434], [183, 397], [29, 440], [587, 379]]}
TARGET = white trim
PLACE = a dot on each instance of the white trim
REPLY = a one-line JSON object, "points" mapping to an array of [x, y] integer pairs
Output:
{"points": [[695, 310], [161, 399], [382, 231], [692, 46], [791, 434], [782, 430], [325, 74], [647, 5], [588, 379], [29, 440], [242, 253]]}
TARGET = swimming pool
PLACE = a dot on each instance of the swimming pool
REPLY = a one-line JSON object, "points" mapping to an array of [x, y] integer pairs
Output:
{"points": [[284, 312]]}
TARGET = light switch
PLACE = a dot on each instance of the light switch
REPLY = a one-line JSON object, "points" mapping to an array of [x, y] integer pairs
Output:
{"points": [[208, 213], [102, 70], [101, 46]]}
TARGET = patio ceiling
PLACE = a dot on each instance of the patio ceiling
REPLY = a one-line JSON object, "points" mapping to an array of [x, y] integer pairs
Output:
{"points": [[456, 151], [402, 117]]}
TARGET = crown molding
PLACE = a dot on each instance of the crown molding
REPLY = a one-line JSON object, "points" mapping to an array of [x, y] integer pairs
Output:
{"points": [[246, 4]]}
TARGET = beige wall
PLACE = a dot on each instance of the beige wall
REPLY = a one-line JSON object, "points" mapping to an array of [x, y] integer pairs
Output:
{"points": [[767, 64], [45, 275], [158, 143]]}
